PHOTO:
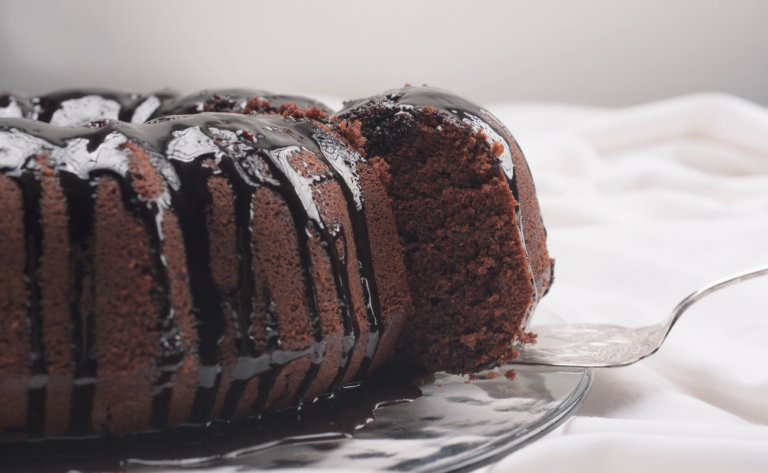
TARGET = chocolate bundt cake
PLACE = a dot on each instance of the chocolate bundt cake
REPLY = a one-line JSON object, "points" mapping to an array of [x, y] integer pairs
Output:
{"points": [[187, 269], [468, 219], [210, 265]]}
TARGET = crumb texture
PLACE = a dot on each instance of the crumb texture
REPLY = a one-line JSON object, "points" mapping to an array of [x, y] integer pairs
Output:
{"points": [[126, 319], [14, 356], [455, 218]]}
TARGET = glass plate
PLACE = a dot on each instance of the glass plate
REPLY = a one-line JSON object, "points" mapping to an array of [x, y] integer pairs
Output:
{"points": [[453, 427]]}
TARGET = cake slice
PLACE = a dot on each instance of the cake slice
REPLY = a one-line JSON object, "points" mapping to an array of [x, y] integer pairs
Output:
{"points": [[467, 216]]}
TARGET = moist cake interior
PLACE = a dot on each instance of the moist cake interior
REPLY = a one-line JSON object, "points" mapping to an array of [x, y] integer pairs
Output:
{"points": [[456, 222]]}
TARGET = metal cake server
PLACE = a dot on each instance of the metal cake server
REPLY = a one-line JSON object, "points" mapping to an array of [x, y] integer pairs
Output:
{"points": [[611, 346]]}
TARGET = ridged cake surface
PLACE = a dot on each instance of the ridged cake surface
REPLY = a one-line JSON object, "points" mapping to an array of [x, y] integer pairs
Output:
{"points": [[191, 268]]}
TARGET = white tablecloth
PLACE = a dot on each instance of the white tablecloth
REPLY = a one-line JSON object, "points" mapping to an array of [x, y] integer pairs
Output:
{"points": [[643, 205]]}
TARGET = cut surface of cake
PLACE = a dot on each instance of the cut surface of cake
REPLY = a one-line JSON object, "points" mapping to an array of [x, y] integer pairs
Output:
{"points": [[469, 222], [191, 268]]}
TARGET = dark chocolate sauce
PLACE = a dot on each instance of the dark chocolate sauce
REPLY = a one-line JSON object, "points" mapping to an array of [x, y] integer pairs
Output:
{"points": [[81, 299], [233, 100], [407, 99], [79, 107], [177, 148], [330, 417], [33, 232]]}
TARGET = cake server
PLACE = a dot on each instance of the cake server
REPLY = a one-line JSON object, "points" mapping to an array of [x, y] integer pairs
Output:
{"points": [[612, 346]]}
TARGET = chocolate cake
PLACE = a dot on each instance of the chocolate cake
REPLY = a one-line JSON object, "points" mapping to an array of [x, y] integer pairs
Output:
{"points": [[208, 265], [191, 268], [469, 222]]}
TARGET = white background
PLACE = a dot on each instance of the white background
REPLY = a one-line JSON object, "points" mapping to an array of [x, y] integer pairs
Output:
{"points": [[598, 52]]}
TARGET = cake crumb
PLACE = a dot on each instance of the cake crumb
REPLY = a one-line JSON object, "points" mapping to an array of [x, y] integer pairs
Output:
{"points": [[382, 169], [472, 377], [256, 105], [294, 111], [492, 375], [526, 337], [351, 131], [497, 149], [510, 375]]}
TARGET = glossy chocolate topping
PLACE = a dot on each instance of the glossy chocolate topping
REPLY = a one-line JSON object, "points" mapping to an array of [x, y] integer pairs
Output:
{"points": [[78, 107], [252, 152], [234, 100]]}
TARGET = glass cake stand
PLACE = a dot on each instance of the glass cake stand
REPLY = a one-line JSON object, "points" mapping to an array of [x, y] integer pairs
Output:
{"points": [[453, 426]]}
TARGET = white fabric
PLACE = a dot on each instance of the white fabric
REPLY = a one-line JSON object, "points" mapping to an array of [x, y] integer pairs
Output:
{"points": [[643, 205]]}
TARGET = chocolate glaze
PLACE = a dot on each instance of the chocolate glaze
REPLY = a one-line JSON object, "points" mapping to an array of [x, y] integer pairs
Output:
{"points": [[31, 192], [177, 147], [407, 99], [344, 163], [232, 100], [83, 330], [78, 107]]}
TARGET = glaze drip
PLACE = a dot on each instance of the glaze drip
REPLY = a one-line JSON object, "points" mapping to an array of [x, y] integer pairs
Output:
{"points": [[345, 164], [31, 192]]}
